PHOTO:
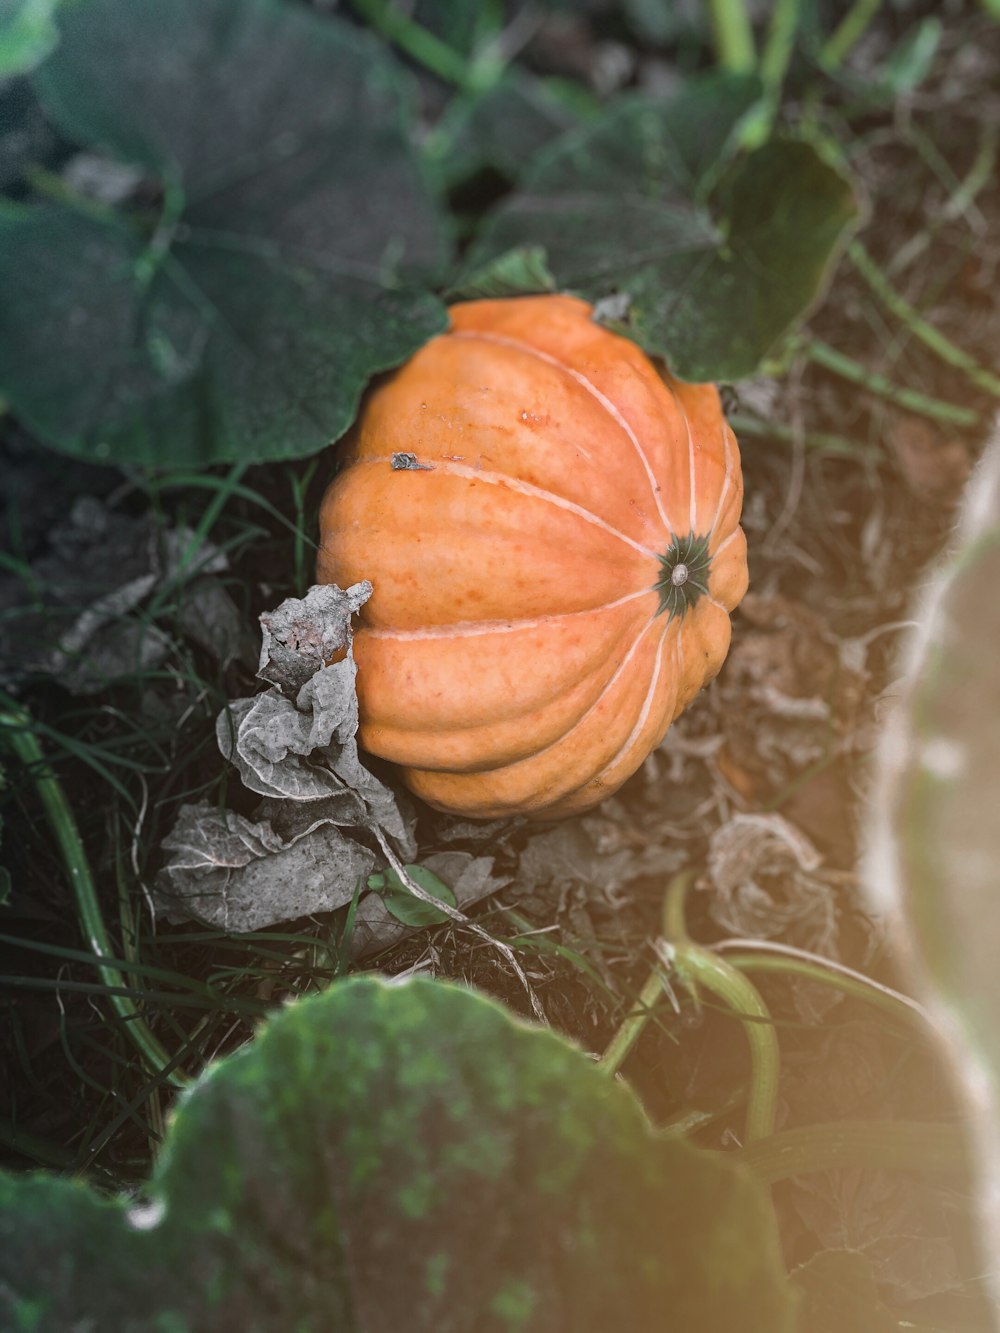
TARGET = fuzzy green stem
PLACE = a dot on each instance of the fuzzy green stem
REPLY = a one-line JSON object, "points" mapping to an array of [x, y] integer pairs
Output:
{"points": [[732, 36], [421, 45], [917, 325], [674, 914], [696, 966], [700, 967], [632, 1025], [784, 960], [15, 723], [778, 47], [911, 399], [896, 1145], [848, 33], [828, 444]]}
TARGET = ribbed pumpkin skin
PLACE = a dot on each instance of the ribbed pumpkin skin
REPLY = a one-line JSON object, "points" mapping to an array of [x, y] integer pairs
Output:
{"points": [[514, 657]]}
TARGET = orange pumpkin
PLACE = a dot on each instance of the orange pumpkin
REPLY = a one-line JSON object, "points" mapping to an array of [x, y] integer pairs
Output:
{"points": [[551, 526]]}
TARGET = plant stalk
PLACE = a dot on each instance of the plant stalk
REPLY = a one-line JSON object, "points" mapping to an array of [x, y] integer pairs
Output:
{"points": [[896, 1145], [917, 325], [732, 36], [914, 401], [699, 966], [15, 723], [848, 33], [631, 1027]]}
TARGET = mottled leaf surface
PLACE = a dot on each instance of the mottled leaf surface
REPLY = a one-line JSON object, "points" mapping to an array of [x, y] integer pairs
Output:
{"points": [[241, 315], [717, 254], [388, 1157]]}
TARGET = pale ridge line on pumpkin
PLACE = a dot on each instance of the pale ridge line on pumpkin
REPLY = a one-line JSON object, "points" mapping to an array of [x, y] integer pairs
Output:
{"points": [[693, 514], [727, 455], [595, 393], [643, 717], [510, 483], [470, 628], [583, 717], [725, 542]]}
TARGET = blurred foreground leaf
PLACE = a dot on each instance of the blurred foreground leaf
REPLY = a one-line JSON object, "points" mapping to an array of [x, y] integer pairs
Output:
{"points": [[937, 837], [392, 1157], [267, 266]]}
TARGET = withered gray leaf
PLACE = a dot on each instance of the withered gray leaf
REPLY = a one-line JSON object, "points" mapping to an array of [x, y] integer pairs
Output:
{"points": [[308, 751], [239, 874], [301, 754], [304, 634]]}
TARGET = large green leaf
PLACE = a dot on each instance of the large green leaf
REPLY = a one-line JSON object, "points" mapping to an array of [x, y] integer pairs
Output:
{"points": [[500, 128], [244, 321], [717, 257], [392, 1157]]}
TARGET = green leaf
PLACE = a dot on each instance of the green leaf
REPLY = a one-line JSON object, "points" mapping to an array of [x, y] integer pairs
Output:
{"points": [[27, 34], [405, 906], [520, 272], [839, 1294], [245, 320], [500, 128], [402, 1156], [718, 258]]}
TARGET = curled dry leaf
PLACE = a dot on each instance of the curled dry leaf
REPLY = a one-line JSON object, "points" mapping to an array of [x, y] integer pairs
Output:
{"points": [[309, 845], [240, 874], [303, 634]]}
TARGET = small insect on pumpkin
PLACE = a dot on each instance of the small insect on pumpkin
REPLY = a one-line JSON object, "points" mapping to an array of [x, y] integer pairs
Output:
{"points": [[554, 559]]}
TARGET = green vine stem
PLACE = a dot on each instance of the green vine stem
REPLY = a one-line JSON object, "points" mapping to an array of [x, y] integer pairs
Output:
{"points": [[16, 725], [848, 33], [632, 1025], [917, 325], [743, 424], [427, 50], [896, 1145], [777, 53], [698, 966], [787, 960], [732, 36], [824, 355]]}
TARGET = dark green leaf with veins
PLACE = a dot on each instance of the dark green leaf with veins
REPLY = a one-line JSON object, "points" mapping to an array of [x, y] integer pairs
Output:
{"points": [[391, 1157], [243, 319], [717, 255]]}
